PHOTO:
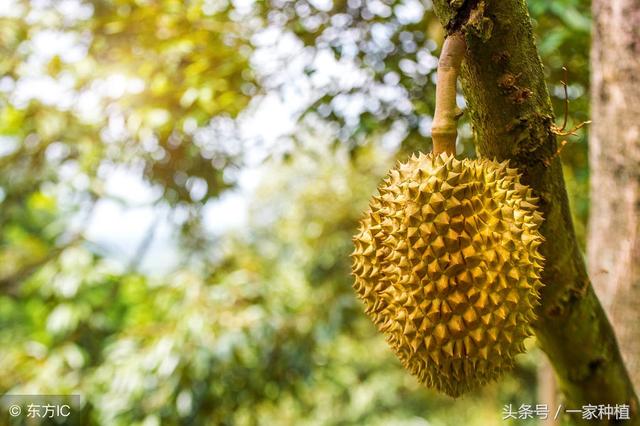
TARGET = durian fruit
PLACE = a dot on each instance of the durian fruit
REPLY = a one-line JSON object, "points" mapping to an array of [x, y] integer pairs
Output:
{"points": [[446, 261]]}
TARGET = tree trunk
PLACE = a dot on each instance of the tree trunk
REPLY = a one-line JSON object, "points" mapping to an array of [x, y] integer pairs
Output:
{"points": [[511, 113], [547, 392], [614, 157]]}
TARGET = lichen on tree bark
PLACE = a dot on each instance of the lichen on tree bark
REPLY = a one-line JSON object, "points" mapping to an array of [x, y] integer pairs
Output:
{"points": [[510, 110]]}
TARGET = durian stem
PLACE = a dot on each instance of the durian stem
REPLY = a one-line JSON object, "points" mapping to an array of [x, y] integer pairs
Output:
{"points": [[445, 121]]}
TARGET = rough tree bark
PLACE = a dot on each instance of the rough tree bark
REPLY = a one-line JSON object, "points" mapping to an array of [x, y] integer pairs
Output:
{"points": [[511, 113], [614, 229]]}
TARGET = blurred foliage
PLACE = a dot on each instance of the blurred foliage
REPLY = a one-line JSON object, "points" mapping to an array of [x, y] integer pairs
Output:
{"points": [[271, 335], [257, 325], [394, 44]]}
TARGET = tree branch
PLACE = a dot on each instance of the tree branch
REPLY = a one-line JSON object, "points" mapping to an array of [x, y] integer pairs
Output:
{"points": [[10, 284], [511, 113]]}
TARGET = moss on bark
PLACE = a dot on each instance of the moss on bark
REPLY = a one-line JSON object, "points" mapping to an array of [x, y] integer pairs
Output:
{"points": [[511, 113]]}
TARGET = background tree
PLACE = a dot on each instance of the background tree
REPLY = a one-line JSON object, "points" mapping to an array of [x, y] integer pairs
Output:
{"points": [[614, 157]]}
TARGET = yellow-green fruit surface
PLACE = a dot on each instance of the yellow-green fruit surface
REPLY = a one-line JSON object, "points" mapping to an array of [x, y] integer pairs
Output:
{"points": [[446, 261]]}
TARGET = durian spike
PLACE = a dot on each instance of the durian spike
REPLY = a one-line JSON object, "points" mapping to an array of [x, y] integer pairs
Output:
{"points": [[445, 119], [454, 284]]}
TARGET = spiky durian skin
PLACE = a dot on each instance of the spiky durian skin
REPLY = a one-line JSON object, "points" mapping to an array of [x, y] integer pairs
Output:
{"points": [[446, 261]]}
